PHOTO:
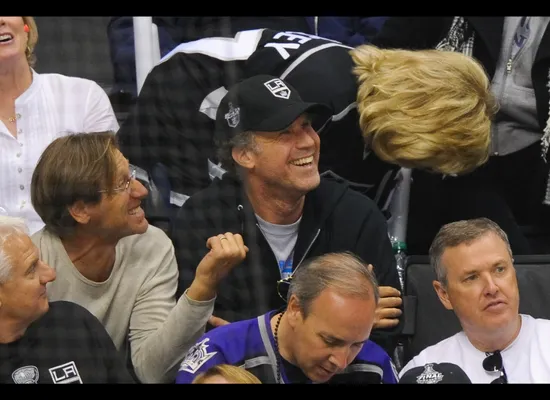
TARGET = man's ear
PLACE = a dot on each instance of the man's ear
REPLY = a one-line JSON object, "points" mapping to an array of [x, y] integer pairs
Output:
{"points": [[243, 157], [293, 311], [80, 212], [442, 294]]}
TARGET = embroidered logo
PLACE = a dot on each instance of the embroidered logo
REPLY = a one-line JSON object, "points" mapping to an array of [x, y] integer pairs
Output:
{"points": [[196, 357], [278, 88], [65, 373], [24, 375], [233, 116], [429, 375]]}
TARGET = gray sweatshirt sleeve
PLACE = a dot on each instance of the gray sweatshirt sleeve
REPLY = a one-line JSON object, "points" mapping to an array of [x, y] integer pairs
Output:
{"points": [[161, 330]]}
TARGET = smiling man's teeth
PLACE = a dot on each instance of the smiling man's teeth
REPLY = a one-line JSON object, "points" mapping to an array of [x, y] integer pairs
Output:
{"points": [[133, 210], [303, 161]]}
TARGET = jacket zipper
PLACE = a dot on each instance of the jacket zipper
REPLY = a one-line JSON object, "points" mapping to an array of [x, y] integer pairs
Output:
{"points": [[305, 253], [308, 248], [510, 59], [507, 71]]}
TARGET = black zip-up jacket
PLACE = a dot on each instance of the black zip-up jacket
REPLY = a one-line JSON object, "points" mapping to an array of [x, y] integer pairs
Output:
{"points": [[336, 218]]}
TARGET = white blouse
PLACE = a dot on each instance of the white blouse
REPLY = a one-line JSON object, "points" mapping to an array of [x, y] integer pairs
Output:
{"points": [[54, 105]]}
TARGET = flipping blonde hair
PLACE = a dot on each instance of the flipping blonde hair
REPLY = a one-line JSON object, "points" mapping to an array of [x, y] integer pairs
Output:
{"points": [[425, 109], [231, 373]]}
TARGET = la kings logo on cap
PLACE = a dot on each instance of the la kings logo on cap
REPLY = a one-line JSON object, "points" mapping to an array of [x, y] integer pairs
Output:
{"points": [[233, 116], [278, 88], [429, 375]]}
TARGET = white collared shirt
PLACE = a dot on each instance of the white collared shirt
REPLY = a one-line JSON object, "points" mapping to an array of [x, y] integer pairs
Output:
{"points": [[54, 105], [526, 359]]}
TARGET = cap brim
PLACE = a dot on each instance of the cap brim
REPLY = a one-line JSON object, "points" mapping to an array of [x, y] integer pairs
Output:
{"points": [[285, 117]]}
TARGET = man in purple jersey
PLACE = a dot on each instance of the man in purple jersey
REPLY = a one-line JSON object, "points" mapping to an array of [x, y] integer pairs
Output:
{"points": [[321, 337]]}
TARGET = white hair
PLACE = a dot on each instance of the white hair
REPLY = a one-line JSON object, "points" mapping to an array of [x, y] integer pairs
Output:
{"points": [[9, 226]]}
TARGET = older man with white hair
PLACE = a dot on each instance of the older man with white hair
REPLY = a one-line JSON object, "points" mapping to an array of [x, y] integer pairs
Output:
{"points": [[42, 341]]}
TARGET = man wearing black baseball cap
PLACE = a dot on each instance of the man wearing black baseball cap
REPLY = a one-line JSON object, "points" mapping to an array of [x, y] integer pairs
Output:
{"points": [[273, 195], [264, 103]]}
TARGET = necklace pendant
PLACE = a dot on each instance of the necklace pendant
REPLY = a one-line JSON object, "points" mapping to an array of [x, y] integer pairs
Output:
{"points": [[14, 118]]}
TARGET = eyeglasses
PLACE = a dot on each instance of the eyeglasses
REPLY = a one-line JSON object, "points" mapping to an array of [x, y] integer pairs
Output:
{"points": [[493, 363], [126, 185]]}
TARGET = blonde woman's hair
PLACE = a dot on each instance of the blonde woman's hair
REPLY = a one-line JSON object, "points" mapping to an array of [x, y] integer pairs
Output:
{"points": [[33, 39], [231, 374], [425, 109]]}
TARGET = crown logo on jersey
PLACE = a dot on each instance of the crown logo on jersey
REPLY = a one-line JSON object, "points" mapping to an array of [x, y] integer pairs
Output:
{"points": [[233, 116], [196, 357], [278, 88]]}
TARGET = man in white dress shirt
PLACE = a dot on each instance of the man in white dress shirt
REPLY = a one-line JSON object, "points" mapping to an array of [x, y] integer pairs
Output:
{"points": [[476, 279]]}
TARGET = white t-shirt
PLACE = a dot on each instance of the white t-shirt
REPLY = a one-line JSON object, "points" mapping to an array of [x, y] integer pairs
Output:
{"points": [[526, 359], [53, 106], [282, 240]]}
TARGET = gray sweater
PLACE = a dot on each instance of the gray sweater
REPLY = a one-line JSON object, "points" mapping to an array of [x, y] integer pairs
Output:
{"points": [[136, 304]]}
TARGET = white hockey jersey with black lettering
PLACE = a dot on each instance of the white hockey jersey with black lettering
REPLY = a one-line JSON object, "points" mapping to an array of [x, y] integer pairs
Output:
{"points": [[173, 120]]}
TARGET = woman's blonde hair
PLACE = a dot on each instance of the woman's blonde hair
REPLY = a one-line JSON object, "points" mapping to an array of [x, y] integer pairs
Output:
{"points": [[231, 374], [425, 109], [33, 39]]}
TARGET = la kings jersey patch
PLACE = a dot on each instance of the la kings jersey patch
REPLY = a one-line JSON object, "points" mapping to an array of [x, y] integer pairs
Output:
{"points": [[196, 357]]}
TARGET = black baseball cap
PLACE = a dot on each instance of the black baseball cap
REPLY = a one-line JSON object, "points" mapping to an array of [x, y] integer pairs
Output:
{"points": [[435, 374], [264, 103]]}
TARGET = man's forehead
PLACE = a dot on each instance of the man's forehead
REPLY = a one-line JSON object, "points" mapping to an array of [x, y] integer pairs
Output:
{"points": [[348, 331], [341, 316], [19, 245], [482, 252]]}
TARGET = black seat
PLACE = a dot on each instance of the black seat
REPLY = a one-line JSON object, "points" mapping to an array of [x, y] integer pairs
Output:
{"points": [[428, 322]]}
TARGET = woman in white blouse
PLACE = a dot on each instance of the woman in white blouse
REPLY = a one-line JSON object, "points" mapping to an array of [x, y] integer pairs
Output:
{"points": [[34, 110]]}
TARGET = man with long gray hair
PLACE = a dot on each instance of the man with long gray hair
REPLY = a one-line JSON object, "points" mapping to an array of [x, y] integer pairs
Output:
{"points": [[476, 279], [42, 341], [322, 336]]}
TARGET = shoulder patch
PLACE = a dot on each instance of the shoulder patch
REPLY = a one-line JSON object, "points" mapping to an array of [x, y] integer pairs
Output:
{"points": [[196, 357]]}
